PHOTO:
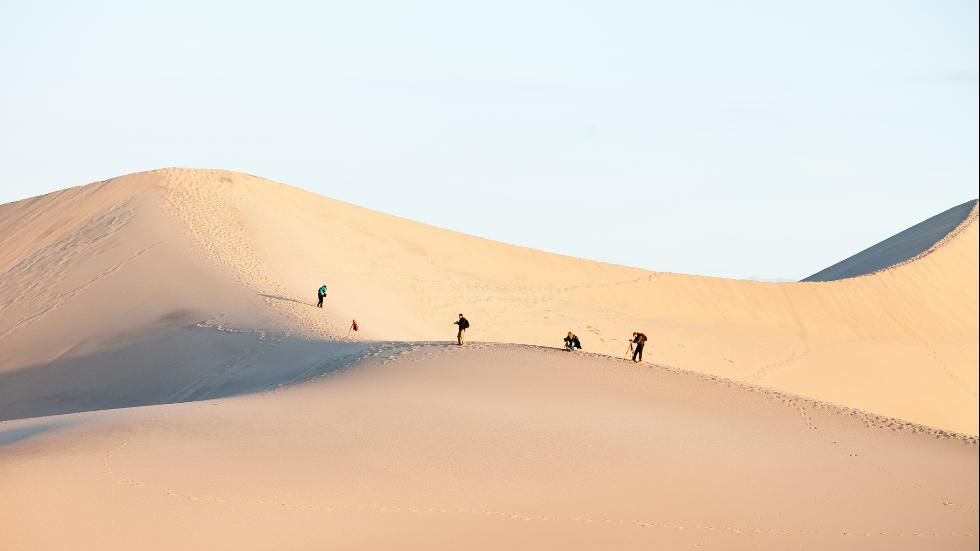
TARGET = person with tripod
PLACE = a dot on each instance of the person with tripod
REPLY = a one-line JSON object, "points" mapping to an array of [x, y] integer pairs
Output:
{"points": [[463, 324], [639, 339]]}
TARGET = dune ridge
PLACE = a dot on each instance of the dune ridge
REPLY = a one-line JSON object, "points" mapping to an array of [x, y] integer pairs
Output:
{"points": [[904, 247]]}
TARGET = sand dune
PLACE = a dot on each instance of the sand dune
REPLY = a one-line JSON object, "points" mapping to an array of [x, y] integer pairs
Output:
{"points": [[490, 447], [167, 257], [106, 302], [901, 247], [813, 415]]}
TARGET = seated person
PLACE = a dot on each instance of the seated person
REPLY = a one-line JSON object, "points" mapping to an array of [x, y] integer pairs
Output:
{"points": [[572, 342]]}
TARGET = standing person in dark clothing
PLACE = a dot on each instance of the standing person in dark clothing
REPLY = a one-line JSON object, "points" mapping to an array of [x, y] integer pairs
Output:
{"points": [[639, 339], [320, 293], [463, 324]]}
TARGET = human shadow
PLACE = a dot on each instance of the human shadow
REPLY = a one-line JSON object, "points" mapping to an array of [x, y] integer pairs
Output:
{"points": [[286, 299]]}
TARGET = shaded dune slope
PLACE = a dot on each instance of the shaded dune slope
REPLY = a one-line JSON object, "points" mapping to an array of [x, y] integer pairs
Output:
{"points": [[177, 285], [901, 247]]}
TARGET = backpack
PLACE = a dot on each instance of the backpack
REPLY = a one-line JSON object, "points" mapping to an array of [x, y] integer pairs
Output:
{"points": [[464, 323], [641, 337]]}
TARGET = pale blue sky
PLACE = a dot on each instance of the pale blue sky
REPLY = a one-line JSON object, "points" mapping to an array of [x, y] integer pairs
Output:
{"points": [[741, 139]]}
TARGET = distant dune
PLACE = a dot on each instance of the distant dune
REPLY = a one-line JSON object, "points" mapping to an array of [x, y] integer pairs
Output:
{"points": [[166, 382], [901, 247]]}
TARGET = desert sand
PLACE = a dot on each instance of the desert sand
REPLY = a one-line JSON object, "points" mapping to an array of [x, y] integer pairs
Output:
{"points": [[166, 382]]}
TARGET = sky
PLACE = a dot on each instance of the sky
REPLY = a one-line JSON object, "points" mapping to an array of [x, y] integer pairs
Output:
{"points": [[762, 140]]}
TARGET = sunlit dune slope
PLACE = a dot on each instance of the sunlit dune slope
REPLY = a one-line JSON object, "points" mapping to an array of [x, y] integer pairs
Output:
{"points": [[215, 274], [490, 446]]}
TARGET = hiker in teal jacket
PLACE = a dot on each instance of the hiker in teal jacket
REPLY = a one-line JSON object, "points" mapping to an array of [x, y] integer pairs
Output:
{"points": [[320, 293]]}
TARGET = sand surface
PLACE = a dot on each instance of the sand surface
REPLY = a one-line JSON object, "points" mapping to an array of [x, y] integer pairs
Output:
{"points": [[165, 379], [421, 446]]}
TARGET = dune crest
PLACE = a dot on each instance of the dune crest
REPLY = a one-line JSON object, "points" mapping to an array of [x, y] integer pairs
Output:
{"points": [[904, 247]]}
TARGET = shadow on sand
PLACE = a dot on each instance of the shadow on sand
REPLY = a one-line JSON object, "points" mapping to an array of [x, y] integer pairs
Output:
{"points": [[181, 364], [18, 434], [286, 299]]}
